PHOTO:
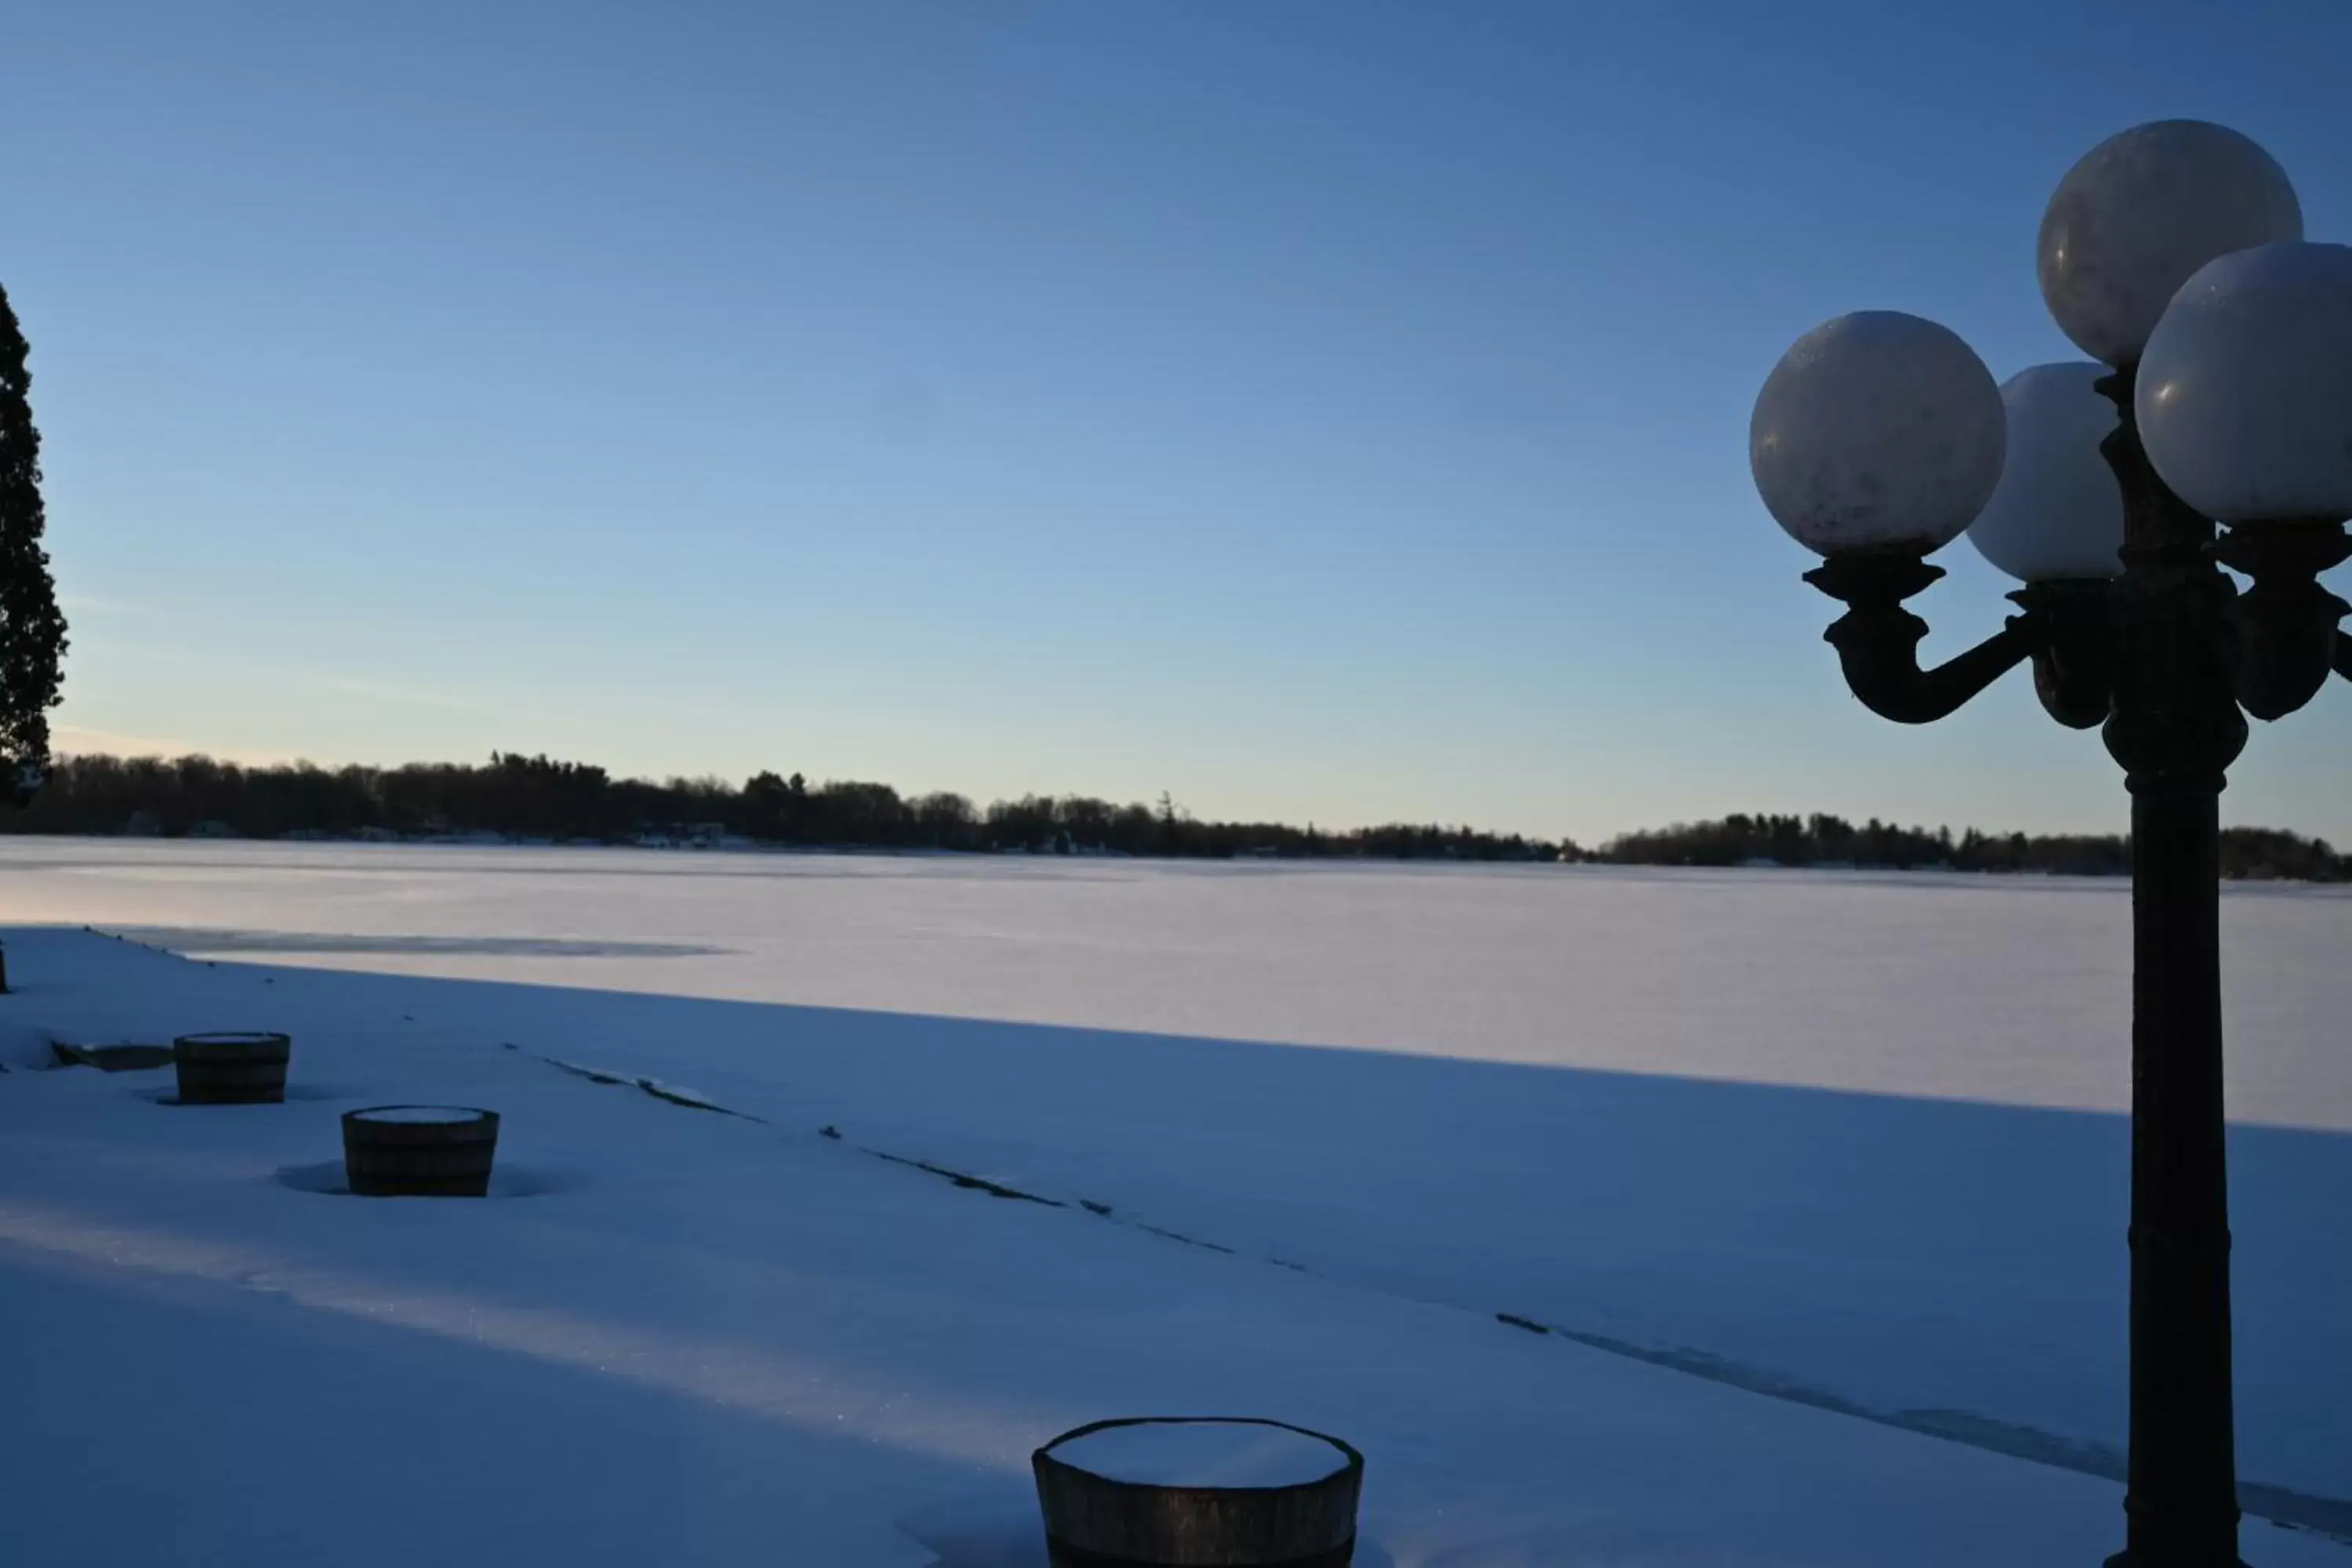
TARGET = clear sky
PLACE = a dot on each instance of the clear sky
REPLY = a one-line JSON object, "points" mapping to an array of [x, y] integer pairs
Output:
{"points": [[1332, 411]]}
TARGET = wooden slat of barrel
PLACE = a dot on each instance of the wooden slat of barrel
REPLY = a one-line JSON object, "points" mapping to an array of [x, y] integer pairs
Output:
{"points": [[1093, 1521], [232, 1069], [419, 1158]]}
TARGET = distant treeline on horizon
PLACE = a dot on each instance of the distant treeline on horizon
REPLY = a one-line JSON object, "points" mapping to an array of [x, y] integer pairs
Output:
{"points": [[536, 799]]}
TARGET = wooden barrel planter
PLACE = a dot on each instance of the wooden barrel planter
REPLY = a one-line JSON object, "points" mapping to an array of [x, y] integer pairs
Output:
{"points": [[1180, 1493], [232, 1069], [419, 1151]]}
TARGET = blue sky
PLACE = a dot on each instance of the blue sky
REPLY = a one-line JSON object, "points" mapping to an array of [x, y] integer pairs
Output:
{"points": [[1330, 411]]}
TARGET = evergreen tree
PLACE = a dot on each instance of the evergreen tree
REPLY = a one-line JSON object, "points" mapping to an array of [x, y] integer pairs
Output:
{"points": [[32, 631]]}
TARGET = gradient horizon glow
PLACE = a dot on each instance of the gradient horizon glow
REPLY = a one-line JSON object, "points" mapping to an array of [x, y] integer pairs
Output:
{"points": [[1332, 412]]}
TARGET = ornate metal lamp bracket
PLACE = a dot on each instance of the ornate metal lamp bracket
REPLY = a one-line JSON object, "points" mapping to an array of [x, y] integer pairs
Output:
{"points": [[1877, 639], [2067, 629], [2287, 620]]}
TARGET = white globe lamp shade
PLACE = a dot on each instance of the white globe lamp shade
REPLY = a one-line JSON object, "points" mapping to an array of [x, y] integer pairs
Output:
{"points": [[2058, 514], [2142, 211], [2244, 398], [1876, 431]]}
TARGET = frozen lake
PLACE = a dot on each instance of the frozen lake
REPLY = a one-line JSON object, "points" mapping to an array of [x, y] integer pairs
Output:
{"points": [[1848, 1138], [2009, 991]]}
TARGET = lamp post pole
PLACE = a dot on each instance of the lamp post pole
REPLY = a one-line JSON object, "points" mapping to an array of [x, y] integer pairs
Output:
{"points": [[2174, 253], [2175, 728]]}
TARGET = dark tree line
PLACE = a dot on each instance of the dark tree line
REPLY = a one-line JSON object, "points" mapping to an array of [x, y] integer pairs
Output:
{"points": [[527, 797], [539, 798], [1821, 840]]}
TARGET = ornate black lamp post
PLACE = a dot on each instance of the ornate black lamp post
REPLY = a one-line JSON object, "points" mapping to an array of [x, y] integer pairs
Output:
{"points": [[2174, 254]]}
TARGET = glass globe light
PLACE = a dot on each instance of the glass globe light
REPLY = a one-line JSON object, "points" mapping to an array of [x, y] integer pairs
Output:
{"points": [[1876, 431], [2245, 397], [2058, 514], [2142, 211]]}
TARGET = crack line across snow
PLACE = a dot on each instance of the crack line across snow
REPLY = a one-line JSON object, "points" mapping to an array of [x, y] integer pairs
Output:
{"points": [[2283, 1506]]}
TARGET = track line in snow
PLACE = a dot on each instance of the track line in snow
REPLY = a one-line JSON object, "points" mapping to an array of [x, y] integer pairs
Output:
{"points": [[2283, 1506]]}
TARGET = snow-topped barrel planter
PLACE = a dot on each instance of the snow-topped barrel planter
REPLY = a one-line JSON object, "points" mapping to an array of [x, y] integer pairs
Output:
{"points": [[419, 1151], [232, 1069], [1199, 1492]]}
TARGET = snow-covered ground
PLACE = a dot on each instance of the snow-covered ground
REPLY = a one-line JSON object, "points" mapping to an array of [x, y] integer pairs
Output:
{"points": [[1851, 1138]]}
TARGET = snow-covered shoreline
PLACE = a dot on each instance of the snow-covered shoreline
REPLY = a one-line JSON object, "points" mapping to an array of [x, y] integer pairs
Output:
{"points": [[701, 1339]]}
